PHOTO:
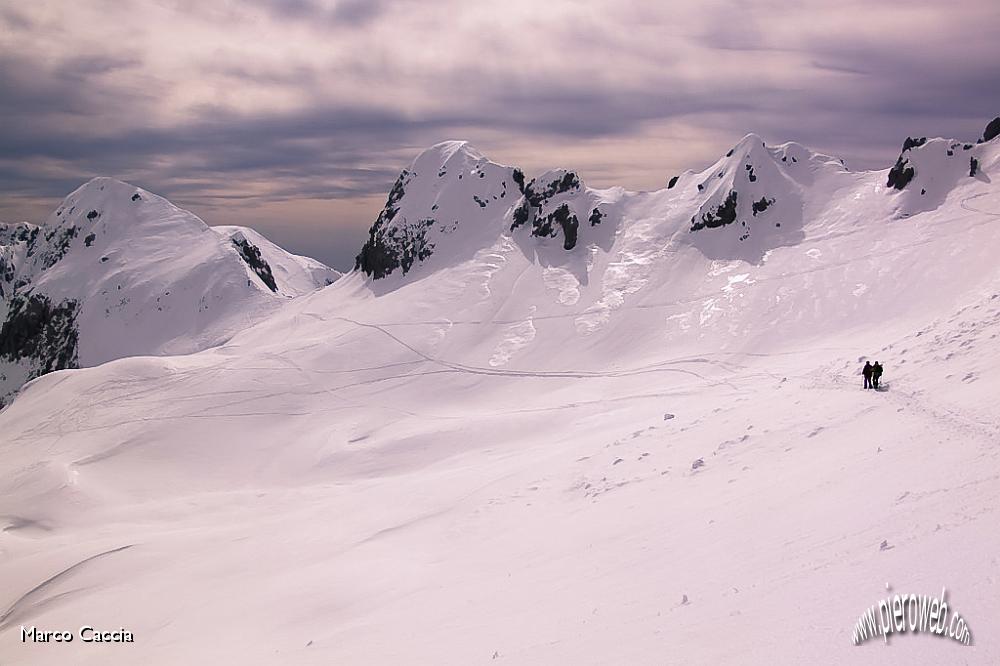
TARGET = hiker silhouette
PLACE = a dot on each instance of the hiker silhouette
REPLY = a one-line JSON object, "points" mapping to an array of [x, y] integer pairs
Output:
{"points": [[867, 372], [876, 374]]}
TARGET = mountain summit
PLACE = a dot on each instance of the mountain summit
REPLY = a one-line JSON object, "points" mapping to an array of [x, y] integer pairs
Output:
{"points": [[118, 271], [447, 200]]}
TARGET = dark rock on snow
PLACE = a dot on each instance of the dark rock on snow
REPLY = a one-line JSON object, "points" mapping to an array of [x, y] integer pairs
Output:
{"points": [[40, 331], [724, 214], [251, 255], [992, 129], [900, 174]]}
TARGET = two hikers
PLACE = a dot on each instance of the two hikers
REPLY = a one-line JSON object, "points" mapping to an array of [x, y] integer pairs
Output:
{"points": [[872, 374]]}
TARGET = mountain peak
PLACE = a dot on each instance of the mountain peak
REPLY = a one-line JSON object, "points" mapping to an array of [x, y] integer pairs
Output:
{"points": [[106, 200], [104, 181], [101, 188], [750, 141], [788, 153], [451, 148], [454, 155], [449, 192], [117, 271]]}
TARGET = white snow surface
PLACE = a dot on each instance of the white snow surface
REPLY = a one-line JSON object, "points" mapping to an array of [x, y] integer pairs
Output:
{"points": [[492, 458]]}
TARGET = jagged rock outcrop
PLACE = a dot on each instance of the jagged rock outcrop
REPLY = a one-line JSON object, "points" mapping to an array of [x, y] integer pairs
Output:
{"points": [[251, 255], [992, 130], [41, 331], [902, 171], [553, 204]]}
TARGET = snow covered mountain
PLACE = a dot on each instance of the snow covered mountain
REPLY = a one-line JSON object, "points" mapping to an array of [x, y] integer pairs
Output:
{"points": [[926, 171], [547, 423], [452, 201], [117, 271]]}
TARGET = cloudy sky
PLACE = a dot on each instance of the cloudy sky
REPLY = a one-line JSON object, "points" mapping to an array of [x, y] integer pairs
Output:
{"points": [[295, 116]]}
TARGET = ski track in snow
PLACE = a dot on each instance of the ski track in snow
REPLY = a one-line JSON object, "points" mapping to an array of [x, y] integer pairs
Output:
{"points": [[965, 205]]}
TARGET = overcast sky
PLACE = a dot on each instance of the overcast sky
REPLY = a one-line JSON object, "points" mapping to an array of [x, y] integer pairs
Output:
{"points": [[295, 116]]}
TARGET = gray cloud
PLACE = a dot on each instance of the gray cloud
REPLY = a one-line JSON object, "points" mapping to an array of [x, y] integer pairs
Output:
{"points": [[83, 68], [358, 12], [15, 20], [347, 13]]}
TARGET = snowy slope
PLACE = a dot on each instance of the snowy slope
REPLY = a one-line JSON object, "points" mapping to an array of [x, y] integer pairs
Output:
{"points": [[117, 271], [293, 275], [650, 446]]}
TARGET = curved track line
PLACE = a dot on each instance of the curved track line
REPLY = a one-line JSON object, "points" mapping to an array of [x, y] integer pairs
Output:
{"points": [[964, 204], [28, 598]]}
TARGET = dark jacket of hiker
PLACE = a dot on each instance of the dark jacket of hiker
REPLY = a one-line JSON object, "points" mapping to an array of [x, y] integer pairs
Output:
{"points": [[867, 372], [876, 374]]}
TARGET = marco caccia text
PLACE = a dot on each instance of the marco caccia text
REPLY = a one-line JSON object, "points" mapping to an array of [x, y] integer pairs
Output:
{"points": [[86, 634]]}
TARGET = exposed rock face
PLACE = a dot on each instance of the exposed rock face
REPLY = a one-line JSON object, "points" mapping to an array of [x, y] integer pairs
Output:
{"points": [[724, 213], [902, 171], [542, 189], [538, 207], [567, 222], [37, 337], [18, 242], [22, 232], [762, 205], [251, 255], [992, 129], [910, 142], [389, 248], [40, 331], [58, 242], [900, 174]]}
